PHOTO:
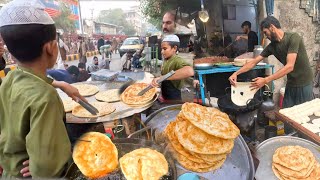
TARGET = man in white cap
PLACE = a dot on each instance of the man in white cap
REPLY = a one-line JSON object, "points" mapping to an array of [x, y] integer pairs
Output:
{"points": [[171, 88], [31, 111]]}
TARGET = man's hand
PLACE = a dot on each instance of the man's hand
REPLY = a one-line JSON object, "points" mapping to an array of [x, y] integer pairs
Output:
{"points": [[25, 171], [196, 83], [233, 79], [1, 49], [258, 83], [69, 90], [238, 38], [154, 82]]}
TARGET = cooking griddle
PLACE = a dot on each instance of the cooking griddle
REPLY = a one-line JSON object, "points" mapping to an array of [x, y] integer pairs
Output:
{"points": [[122, 110], [239, 163], [313, 136], [125, 146], [266, 149]]}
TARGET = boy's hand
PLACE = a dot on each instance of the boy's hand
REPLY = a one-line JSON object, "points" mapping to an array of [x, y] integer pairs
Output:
{"points": [[154, 82], [69, 90], [25, 171]]}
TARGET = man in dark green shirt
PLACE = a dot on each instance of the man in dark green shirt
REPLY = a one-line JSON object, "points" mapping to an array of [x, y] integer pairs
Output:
{"points": [[31, 112], [289, 49]]}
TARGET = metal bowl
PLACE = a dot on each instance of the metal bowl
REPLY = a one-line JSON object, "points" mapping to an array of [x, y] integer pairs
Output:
{"points": [[203, 66]]}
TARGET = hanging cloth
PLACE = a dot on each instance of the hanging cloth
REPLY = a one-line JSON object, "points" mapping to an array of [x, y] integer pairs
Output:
{"points": [[269, 7]]}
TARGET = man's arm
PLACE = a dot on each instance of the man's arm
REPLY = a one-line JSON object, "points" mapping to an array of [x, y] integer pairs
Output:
{"points": [[48, 145], [70, 90]]}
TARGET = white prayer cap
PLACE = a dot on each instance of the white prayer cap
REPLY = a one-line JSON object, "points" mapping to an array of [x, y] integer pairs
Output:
{"points": [[19, 12], [171, 38]]}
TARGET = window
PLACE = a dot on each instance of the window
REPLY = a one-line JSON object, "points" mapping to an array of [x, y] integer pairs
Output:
{"points": [[229, 12]]}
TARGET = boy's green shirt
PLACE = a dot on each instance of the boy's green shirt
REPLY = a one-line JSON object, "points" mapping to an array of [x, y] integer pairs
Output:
{"points": [[32, 127]]}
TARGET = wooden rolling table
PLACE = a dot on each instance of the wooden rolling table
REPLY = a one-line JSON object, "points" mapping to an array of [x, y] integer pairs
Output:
{"points": [[312, 136]]}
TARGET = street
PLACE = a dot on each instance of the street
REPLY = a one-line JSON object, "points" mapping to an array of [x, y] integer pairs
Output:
{"points": [[89, 60]]}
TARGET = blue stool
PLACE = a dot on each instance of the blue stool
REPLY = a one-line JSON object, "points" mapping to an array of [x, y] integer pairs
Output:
{"points": [[189, 176]]}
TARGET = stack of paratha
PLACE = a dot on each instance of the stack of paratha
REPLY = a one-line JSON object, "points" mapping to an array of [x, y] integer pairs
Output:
{"points": [[131, 98], [295, 162], [144, 164], [201, 137]]}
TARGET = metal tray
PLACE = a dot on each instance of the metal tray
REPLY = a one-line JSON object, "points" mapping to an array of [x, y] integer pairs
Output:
{"points": [[125, 146], [239, 164], [203, 66], [122, 110], [266, 149]]}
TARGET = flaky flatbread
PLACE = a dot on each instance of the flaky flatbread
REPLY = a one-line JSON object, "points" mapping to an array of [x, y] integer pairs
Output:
{"points": [[130, 95], [96, 158], [111, 95], [69, 104], [144, 164], [104, 108], [86, 89], [196, 140], [210, 120]]}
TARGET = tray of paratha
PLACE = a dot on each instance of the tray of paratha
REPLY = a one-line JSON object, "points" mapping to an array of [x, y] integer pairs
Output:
{"points": [[288, 158], [105, 97], [304, 117], [203, 140], [97, 157]]}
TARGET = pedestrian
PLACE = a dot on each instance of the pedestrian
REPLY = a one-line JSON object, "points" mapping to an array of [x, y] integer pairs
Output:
{"points": [[250, 36], [83, 74]]}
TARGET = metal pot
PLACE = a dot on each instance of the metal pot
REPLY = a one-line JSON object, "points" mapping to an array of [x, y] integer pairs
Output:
{"points": [[257, 50]]}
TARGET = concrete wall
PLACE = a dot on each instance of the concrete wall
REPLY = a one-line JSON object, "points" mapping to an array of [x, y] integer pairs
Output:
{"points": [[293, 19]]}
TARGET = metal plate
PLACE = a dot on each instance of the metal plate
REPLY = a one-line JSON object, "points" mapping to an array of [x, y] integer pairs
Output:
{"points": [[122, 110], [203, 66], [239, 163], [125, 146], [266, 149]]}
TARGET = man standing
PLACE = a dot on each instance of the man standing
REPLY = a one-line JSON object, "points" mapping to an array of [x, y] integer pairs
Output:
{"points": [[62, 53], [289, 49], [100, 43], [168, 24], [251, 36]]}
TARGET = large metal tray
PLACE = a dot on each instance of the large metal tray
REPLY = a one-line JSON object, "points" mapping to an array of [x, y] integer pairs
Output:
{"points": [[239, 164], [122, 110], [266, 149], [125, 146]]}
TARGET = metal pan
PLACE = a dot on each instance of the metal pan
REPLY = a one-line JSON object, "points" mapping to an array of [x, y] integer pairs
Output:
{"points": [[266, 149], [239, 163], [203, 66], [125, 146]]}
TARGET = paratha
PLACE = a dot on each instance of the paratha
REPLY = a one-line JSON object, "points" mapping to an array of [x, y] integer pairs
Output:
{"points": [[144, 164], [104, 108], [296, 158], [96, 158], [287, 172], [210, 120], [111, 95], [195, 157], [69, 104], [314, 175], [130, 95], [196, 140], [86, 89], [197, 167]]}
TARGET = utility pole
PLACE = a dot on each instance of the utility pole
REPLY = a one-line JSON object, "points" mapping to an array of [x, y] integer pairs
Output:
{"points": [[81, 23]]}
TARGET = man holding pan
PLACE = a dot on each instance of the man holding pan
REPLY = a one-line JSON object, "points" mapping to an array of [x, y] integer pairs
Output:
{"points": [[290, 50]]}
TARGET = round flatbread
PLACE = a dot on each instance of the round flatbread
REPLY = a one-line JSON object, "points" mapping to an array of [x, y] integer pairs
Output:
{"points": [[197, 167], [296, 158], [69, 104], [86, 89], [104, 108], [316, 122], [287, 172], [96, 158], [242, 93], [196, 140], [210, 120], [311, 127], [314, 175], [144, 164], [317, 113], [111, 95], [130, 95]]}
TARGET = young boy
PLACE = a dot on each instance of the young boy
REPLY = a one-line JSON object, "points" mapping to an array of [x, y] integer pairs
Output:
{"points": [[171, 88], [31, 112]]}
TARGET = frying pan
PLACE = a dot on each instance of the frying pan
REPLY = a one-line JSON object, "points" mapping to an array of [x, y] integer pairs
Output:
{"points": [[124, 146]]}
